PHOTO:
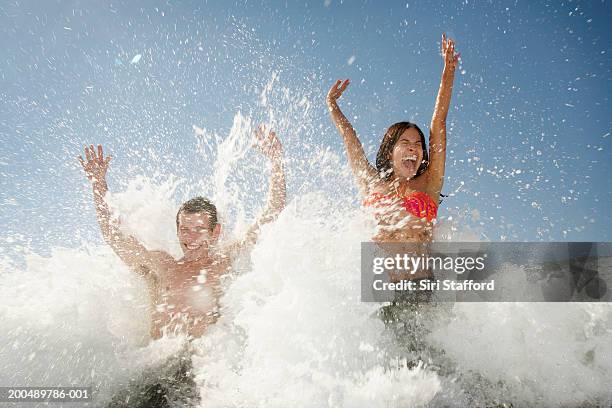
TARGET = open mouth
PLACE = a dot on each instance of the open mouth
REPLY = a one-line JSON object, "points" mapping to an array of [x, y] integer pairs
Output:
{"points": [[409, 161], [192, 246]]}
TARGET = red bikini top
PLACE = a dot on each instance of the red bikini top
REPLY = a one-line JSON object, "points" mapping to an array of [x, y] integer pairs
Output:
{"points": [[417, 203]]}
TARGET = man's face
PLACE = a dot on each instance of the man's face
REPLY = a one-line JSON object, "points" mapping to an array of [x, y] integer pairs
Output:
{"points": [[195, 235]]}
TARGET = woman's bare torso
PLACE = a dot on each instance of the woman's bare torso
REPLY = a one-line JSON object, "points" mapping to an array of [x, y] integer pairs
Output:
{"points": [[396, 225]]}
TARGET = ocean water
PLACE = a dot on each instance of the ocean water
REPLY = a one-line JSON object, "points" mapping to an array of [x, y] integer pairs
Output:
{"points": [[293, 330]]}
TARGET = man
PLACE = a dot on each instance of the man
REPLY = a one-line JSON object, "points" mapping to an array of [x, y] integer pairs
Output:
{"points": [[185, 292]]}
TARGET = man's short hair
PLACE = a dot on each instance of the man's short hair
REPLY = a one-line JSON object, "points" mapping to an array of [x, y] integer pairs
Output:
{"points": [[196, 205]]}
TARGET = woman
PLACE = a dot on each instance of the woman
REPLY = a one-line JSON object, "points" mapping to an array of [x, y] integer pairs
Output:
{"points": [[405, 186], [404, 190]]}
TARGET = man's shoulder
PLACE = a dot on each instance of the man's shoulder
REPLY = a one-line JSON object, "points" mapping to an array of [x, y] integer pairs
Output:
{"points": [[157, 261], [227, 252], [157, 264], [161, 257]]}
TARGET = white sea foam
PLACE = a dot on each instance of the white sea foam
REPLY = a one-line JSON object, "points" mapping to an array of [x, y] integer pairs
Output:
{"points": [[294, 331]]}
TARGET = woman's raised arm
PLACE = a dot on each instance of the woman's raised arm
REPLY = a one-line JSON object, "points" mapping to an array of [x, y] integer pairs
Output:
{"points": [[437, 135], [365, 173]]}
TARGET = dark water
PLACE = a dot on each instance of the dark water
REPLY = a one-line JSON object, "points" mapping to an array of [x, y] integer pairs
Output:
{"points": [[168, 384]]}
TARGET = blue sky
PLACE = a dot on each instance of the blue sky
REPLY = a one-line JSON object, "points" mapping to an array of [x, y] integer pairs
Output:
{"points": [[529, 126]]}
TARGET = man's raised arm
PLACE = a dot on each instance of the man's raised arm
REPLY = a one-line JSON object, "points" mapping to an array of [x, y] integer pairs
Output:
{"points": [[131, 252], [269, 144]]}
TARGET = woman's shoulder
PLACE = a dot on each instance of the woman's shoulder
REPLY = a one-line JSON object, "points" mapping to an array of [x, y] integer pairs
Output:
{"points": [[380, 186], [377, 191]]}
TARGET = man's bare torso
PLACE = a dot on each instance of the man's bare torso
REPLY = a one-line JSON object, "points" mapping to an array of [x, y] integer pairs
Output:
{"points": [[184, 294]]}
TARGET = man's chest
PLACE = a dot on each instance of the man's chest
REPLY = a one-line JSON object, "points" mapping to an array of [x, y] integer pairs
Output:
{"points": [[184, 284]]}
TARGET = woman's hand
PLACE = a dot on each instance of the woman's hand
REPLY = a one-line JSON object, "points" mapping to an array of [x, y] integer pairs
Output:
{"points": [[448, 53], [95, 166], [336, 91]]}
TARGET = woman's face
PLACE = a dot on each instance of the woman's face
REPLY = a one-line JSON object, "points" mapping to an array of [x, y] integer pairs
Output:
{"points": [[407, 154]]}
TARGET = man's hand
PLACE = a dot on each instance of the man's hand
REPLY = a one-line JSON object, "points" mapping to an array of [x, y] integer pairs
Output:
{"points": [[335, 92], [451, 59], [268, 144], [95, 166]]}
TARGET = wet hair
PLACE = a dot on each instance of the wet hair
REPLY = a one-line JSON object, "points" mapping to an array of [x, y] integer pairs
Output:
{"points": [[196, 205], [383, 160]]}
